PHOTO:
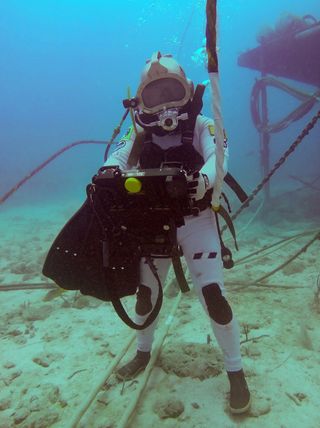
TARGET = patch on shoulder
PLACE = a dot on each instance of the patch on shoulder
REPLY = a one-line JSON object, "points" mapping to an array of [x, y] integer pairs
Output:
{"points": [[211, 130], [120, 144]]}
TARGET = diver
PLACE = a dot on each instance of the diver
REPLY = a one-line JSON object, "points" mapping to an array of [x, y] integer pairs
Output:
{"points": [[165, 112]]}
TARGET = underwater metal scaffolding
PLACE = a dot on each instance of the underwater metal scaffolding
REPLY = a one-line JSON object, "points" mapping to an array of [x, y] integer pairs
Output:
{"points": [[292, 52]]}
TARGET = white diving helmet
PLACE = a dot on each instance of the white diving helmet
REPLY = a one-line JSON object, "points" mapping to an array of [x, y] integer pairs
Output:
{"points": [[163, 92]]}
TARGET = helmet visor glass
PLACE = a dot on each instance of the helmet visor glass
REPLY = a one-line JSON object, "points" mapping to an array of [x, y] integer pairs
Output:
{"points": [[162, 91]]}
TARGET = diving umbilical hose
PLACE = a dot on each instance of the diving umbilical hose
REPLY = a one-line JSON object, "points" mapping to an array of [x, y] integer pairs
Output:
{"points": [[213, 70]]}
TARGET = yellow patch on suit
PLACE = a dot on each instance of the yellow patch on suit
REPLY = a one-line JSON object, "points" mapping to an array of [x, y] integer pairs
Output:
{"points": [[211, 130]]}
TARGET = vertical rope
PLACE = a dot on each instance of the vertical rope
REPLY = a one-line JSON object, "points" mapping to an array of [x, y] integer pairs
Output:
{"points": [[211, 36], [213, 70]]}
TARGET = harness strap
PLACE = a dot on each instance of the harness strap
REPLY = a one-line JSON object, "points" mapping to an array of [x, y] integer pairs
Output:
{"points": [[227, 218], [116, 302], [193, 112], [178, 271], [235, 186], [176, 260], [226, 254], [177, 266], [137, 147]]}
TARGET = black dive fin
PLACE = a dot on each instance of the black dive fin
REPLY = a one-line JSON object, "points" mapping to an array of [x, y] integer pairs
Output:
{"points": [[75, 259]]}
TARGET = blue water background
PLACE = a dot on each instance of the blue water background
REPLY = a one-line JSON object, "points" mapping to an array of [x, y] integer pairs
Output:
{"points": [[65, 67]]}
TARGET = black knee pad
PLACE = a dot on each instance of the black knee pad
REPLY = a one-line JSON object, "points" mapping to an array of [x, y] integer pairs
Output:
{"points": [[143, 305], [218, 307]]}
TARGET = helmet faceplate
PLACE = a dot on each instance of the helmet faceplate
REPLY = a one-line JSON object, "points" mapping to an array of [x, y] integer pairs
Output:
{"points": [[163, 85]]}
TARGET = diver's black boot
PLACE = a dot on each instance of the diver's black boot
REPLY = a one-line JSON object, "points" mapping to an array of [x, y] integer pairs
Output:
{"points": [[134, 367], [239, 393]]}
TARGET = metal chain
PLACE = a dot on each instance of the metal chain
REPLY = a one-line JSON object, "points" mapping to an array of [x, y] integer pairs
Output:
{"points": [[277, 165]]}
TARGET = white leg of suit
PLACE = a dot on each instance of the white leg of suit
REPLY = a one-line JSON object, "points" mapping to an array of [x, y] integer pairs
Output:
{"points": [[145, 337], [200, 243]]}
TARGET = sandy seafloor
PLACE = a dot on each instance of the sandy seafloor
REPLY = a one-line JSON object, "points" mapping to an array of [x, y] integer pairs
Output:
{"points": [[56, 350]]}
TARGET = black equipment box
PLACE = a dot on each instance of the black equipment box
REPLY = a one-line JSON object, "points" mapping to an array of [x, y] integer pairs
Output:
{"points": [[143, 193]]}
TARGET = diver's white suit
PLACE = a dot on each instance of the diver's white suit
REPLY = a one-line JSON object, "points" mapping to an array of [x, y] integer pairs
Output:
{"points": [[198, 235]]}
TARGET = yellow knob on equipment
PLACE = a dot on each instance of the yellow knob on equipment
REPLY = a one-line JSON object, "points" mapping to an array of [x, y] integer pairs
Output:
{"points": [[133, 185]]}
